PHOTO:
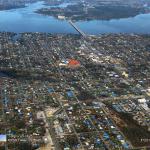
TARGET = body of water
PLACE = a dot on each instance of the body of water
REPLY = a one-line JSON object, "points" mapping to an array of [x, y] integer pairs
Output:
{"points": [[26, 20], [138, 24]]}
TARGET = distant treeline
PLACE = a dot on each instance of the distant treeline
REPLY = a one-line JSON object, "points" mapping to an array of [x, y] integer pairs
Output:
{"points": [[79, 12]]}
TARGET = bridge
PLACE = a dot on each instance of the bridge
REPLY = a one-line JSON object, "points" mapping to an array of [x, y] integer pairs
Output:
{"points": [[77, 29]]}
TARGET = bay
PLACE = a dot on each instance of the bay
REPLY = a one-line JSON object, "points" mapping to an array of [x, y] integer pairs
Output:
{"points": [[26, 20]]}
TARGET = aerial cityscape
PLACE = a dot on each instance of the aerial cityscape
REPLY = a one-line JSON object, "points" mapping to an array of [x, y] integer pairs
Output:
{"points": [[74, 75]]}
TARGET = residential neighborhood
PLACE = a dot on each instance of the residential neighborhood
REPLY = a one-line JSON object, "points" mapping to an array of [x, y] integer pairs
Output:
{"points": [[66, 92]]}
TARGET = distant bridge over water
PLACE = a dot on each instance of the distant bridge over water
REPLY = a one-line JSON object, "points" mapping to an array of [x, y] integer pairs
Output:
{"points": [[77, 29]]}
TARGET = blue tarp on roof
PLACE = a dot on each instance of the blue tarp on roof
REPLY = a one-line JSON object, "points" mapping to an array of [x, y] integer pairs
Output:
{"points": [[69, 93], [126, 146], [50, 90], [105, 136]]}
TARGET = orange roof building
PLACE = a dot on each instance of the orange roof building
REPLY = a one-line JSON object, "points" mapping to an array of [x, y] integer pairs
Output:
{"points": [[73, 63]]}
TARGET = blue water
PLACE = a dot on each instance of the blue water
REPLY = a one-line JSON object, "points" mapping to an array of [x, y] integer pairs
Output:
{"points": [[26, 20], [63, 5], [138, 24]]}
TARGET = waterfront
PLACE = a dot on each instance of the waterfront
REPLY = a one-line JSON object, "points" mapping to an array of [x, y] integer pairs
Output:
{"points": [[139, 24], [26, 20]]}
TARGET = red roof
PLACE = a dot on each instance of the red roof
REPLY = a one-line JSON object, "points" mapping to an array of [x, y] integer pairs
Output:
{"points": [[73, 62]]}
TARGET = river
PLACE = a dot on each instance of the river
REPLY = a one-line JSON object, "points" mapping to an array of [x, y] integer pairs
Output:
{"points": [[26, 20]]}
